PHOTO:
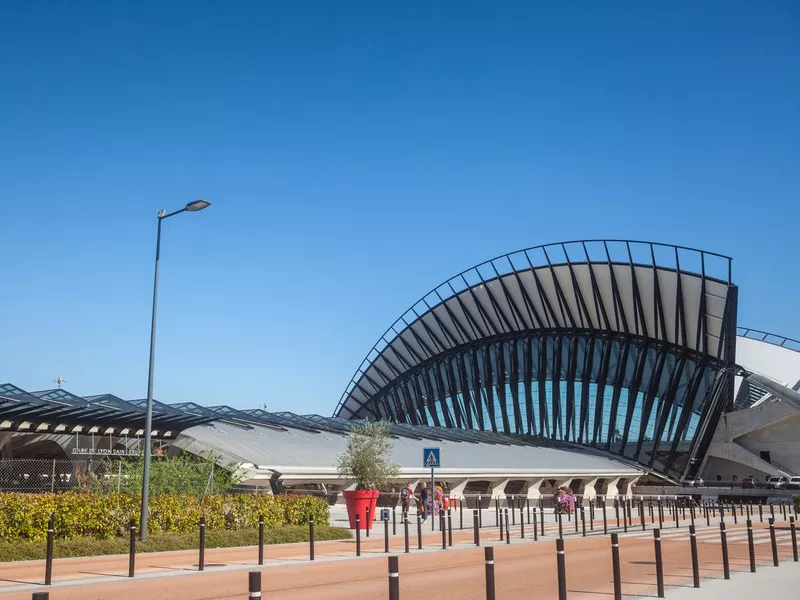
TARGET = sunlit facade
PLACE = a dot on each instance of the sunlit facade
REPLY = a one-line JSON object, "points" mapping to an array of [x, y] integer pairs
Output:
{"points": [[625, 347]]}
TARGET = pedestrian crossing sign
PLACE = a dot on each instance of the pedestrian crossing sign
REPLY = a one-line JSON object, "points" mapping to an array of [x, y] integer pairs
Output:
{"points": [[430, 458]]}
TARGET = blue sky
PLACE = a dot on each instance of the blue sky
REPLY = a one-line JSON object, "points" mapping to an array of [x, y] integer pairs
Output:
{"points": [[357, 154]]}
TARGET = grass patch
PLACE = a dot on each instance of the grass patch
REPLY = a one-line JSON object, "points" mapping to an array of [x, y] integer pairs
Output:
{"points": [[161, 542]]}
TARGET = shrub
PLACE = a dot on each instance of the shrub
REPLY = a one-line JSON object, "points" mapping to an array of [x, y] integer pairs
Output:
{"points": [[36, 550], [106, 516]]}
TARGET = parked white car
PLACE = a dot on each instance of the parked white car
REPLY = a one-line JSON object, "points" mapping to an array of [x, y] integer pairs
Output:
{"points": [[777, 482]]}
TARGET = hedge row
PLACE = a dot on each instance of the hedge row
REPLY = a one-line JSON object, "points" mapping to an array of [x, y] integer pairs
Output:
{"points": [[105, 516]]}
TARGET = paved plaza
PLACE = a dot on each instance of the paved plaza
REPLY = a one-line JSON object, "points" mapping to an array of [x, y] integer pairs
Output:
{"points": [[524, 568]]}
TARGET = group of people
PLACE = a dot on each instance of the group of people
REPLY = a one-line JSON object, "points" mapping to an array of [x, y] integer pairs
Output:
{"points": [[564, 500], [428, 503]]}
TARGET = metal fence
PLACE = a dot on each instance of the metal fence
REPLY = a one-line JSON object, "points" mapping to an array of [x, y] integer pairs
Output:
{"points": [[59, 475]]}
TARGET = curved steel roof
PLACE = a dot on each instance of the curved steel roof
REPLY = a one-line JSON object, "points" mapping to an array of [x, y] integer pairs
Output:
{"points": [[672, 294]]}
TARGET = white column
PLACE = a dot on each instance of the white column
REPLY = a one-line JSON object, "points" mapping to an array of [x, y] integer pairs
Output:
{"points": [[589, 492], [534, 489]]}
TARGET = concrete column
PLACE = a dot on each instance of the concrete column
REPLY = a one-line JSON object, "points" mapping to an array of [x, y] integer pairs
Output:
{"points": [[612, 491], [457, 489], [499, 489], [5, 444], [534, 491], [589, 492]]}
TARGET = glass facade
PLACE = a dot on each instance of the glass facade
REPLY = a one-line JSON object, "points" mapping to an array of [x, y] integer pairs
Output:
{"points": [[631, 397]]}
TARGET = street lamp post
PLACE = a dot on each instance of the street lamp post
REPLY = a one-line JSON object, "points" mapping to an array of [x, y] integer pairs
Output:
{"points": [[194, 206]]}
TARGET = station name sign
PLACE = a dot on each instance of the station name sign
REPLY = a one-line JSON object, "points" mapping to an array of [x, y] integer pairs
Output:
{"points": [[106, 451]]}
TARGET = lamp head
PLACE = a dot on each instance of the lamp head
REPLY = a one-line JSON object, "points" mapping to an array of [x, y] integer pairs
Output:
{"points": [[196, 205]]}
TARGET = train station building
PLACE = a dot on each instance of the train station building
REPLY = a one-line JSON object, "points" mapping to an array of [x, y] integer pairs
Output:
{"points": [[594, 364]]}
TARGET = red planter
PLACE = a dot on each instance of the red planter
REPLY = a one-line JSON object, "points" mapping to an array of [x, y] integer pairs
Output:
{"points": [[357, 502]]}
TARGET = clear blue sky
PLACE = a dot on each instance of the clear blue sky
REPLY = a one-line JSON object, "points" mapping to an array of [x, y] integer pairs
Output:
{"points": [[357, 154]]}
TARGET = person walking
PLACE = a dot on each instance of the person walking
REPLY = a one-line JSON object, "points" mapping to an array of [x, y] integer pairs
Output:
{"points": [[424, 498], [406, 495]]}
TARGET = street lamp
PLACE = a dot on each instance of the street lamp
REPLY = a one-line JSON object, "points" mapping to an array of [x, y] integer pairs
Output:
{"points": [[193, 206]]}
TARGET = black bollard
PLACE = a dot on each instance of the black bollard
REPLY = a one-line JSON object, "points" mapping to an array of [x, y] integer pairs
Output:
{"points": [[386, 534], [201, 563], [660, 514], [691, 513], [772, 510], [41, 596], [521, 524], [677, 518], [508, 533], [405, 530], [783, 510], [261, 540], [497, 514], [624, 518], [583, 521], [480, 513], [774, 542], [358, 535], [751, 546], [394, 520], [560, 526], [630, 512], [461, 515], [721, 513], [443, 529], [616, 510], [641, 515], [562, 569], [528, 509], [576, 518], [659, 563], [761, 512], [541, 519], [695, 564], [535, 528], [794, 538], [605, 521], [394, 578], [476, 529], [254, 584], [735, 518], [132, 549], [500, 523], [449, 528], [615, 566], [708, 517], [513, 514], [591, 516], [488, 554], [652, 514], [419, 533], [367, 522], [51, 534], [723, 538]]}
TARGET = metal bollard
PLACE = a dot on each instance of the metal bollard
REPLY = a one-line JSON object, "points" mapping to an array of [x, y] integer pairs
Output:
{"points": [[541, 515], [201, 563], [576, 518], [615, 566], [394, 520], [405, 530], [497, 514], [394, 578], [624, 518], [132, 548], [508, 533], [500, 523], [513, 514], [761, 513], [772, 510], [708, 517], [723, 538], [480, 513], [476, 530], [616, 510], [783, 510], [449, 528], [51, 534], [367, 522], [659, 563], [562, 569], [605, 521], [488, 554], [583, 521], [794, 538], [358, 535], [41, 596], [560, 526], [461, 514], [591, 516], [386, 534], [691, 513], [677, 518], [443, 529], [751, 546], [419, 533], [735, 519], [695, 564], [521, 524], [641, 515], [254, 584], [261, 540], [774, 542], [660, 514]]}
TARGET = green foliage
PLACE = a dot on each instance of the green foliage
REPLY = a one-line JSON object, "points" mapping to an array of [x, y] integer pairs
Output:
{"points": [[284, 534], [184, 474], [106, 515], [366, 458]]}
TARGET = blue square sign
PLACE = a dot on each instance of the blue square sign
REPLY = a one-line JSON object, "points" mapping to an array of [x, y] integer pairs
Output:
{"points": [[430, 458]]}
